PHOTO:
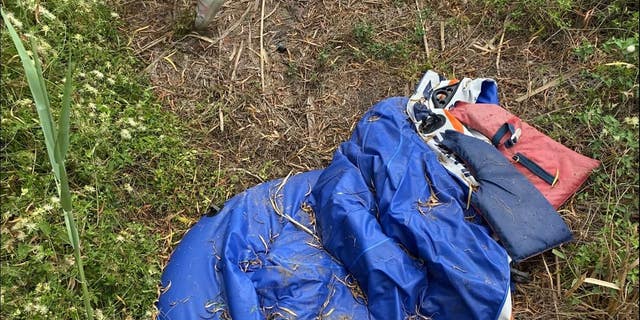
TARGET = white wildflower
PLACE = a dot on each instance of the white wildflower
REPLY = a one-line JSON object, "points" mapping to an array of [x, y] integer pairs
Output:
{"points": [[55, 200], [125, 134], [115, 15], [128, 187], [631, 48], [78, 37], [92, 105], [111, 81], [132, 122], [24, 102], [18, 223], [45, 28], [46, 13], [99, 314], [99, 75], [44, 47], [107, 65], [120, 238], [20, 235], [69, 260], [89, 188], [47, 207], [14, 21], [41, 309], [30, 226], [42, 287], [90, 89], [632, 121]]}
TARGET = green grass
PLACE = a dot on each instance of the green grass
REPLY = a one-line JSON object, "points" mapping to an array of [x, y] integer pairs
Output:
{"points": [[56, 136], [370, 46], [129, 164]]}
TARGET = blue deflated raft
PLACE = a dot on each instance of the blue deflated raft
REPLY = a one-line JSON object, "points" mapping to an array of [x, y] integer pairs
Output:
{"points": [[382, 233]]}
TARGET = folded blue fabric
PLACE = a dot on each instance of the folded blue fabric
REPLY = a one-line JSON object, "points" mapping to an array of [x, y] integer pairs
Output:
{"points": [[524, 221]]}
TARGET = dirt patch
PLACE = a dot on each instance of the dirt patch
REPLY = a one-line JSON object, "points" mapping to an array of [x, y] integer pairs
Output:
{"points": [[292, 108], [312, 92]]}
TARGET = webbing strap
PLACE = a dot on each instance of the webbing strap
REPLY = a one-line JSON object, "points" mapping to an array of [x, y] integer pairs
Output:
{"points": [[504, 129], [536, 169]]}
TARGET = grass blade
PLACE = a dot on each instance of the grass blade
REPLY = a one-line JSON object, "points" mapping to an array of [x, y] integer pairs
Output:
{"points": [[62, 142], [38, 65], [38, 92], [602, 283], [43, 86]]}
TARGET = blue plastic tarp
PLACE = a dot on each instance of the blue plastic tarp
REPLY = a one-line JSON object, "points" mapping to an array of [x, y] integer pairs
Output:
{"points": [[382, 233]]}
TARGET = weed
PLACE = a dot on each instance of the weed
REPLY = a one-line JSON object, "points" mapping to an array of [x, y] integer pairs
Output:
{"points": [[364, 35], [184, 21]]}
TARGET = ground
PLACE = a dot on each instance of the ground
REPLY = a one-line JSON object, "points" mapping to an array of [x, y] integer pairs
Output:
{"points": [[241, 117]]}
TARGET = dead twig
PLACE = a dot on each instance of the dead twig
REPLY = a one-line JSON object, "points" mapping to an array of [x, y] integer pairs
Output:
{"points": [[504, 29], [546, 86], [424, 29], [442, 35], [279, 212], [262, 52]]}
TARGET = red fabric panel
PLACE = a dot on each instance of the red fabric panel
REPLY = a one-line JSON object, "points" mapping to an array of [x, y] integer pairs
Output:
{"points": [[573, 167]]}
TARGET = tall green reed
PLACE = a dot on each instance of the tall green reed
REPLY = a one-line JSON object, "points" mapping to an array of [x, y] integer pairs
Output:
{"points": [[56, 139]]}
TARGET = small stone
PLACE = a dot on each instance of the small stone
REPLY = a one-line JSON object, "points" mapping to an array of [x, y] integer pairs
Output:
{"points": [[281, 48]]}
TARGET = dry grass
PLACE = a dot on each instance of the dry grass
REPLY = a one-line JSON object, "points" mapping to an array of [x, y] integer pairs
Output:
{"points": [[275, 111]]}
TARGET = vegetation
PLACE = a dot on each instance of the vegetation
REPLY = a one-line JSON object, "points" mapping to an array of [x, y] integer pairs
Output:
{"points": [[128, 166]]}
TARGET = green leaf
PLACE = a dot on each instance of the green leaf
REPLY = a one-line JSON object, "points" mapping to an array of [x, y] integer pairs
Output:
{"points": [[38, 65], [558, 254], [62, 143]]}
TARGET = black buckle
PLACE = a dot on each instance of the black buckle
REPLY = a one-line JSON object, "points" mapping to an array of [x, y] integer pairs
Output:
{"points": [[442, 96], [432, 123], [212, 210]]}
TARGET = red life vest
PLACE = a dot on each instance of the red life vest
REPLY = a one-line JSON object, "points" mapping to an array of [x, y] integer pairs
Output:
{"points": [[555, 170]]}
